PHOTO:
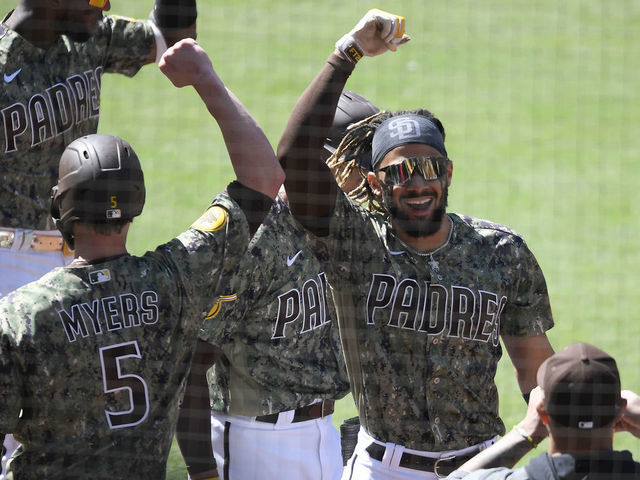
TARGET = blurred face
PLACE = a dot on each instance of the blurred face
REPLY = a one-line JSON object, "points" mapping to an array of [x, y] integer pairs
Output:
{"points": [[79, 19], [418, 206]]}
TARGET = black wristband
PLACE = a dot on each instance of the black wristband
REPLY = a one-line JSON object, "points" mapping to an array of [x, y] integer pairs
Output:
{"points": [[175, 13], [526, 397]]}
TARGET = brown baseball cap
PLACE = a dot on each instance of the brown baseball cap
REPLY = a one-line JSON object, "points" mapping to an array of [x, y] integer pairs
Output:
{"points": [[581, 387]]}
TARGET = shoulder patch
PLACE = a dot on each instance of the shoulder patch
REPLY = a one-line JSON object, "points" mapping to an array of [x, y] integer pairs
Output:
{"points": [[214, 219]]}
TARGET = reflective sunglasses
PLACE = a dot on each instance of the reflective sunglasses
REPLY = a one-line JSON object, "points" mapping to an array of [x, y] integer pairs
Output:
{"points": [[98, 3], [430, 168]]}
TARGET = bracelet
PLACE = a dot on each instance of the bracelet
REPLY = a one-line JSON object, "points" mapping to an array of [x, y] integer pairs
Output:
{"points": [[349, 46], [524, 435]]}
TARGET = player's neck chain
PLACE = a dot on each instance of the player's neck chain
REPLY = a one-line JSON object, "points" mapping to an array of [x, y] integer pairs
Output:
{"points": [[431, 253]]}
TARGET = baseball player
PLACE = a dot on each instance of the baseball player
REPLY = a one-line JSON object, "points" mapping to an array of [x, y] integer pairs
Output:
{"points": [[279, 365], [52, 57], [94, 356], [423, 296]]}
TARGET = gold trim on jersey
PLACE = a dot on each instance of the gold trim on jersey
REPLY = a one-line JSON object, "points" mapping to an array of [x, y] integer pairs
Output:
{"points": [[215, 310]]}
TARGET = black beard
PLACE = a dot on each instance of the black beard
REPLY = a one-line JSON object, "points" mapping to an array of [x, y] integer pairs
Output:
{"points": [[413, 228]]}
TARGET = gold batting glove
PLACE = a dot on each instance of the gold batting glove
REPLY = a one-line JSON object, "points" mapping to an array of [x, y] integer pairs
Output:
{"points": [[375, 33]]}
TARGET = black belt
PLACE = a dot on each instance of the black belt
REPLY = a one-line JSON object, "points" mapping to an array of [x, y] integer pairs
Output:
{"points": [[302, 414], [440, 466]]}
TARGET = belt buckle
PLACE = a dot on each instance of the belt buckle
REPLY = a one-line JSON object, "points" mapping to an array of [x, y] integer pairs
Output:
{"points": [[6, 238], [437, 464]]}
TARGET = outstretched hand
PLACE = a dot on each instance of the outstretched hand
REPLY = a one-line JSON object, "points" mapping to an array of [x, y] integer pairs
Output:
{"points": [[186, 63], [630, 421], [379, 31]]}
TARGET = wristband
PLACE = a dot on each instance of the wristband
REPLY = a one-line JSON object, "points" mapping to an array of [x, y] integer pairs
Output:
{"points": [[350, 48], [526, 397], [524, 435], [175, 13]]}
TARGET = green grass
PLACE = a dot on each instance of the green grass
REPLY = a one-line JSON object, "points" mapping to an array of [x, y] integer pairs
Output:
{"points": [[541, 105]]}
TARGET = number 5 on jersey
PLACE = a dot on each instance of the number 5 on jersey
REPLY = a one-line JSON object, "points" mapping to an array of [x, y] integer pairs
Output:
{"points": [[115, 380]]}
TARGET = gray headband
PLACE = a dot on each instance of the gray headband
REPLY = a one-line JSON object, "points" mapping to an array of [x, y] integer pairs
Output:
{"points": [[402, 130]]}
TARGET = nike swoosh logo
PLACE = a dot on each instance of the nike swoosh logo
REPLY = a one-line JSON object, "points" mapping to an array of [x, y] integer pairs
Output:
{"points": [[9, 78], [392, 252], [290, 260]]}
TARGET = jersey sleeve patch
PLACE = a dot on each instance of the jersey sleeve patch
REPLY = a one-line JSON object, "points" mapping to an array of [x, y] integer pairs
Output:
{"points": [[214, 219], [215, 310]]}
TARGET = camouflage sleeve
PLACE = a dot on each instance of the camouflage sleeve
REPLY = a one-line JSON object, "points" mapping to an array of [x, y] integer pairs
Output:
{"points": [[208, 250], [130, 44], [10, 385], [528, 313], [236, 289], [240, 290], [231, 303]]}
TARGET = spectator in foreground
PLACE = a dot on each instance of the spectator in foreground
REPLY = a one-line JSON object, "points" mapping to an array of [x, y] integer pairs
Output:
{"points": [[579, 404]]}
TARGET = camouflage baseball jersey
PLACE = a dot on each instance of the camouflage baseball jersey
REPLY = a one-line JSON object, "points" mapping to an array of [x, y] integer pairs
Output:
{"points": [[94, 357], [421, 332], [48, 99], [276, 327]]}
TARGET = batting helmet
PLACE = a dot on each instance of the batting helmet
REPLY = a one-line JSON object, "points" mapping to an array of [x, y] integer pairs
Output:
{"points": [[99, 181], [352, 108]]}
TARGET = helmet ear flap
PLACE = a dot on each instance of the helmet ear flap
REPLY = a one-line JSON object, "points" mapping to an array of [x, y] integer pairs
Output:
{"points": [[55, 205], [65, 228]]}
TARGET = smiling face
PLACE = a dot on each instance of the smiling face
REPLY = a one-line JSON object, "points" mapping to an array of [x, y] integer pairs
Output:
{"points": [[417, 208]]}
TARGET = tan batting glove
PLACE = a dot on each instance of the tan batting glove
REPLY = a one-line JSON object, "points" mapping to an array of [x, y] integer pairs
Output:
{"points": [[375, 33]]}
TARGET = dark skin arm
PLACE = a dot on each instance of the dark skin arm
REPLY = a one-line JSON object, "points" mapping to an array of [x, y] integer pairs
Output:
{"points": [[193, 431], [527, 354], [310, 185]]}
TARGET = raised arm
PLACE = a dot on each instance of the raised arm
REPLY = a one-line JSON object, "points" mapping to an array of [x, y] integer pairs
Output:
{"points": [[310, 185], [252, 156]]}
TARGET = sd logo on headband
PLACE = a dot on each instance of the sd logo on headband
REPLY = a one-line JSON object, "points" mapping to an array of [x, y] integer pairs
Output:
{"points": [[404, 128]]}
